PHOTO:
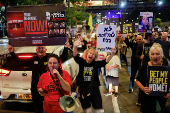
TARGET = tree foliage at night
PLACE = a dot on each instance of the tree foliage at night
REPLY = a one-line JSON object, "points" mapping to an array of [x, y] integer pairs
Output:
{"points": [[158, 22]]}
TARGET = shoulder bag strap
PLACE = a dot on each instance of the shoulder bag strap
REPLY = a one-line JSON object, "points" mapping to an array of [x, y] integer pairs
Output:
{"points": [[56, 85]]}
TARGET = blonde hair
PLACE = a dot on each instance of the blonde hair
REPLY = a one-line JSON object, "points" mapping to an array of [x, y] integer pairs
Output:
{"points": [[158, 47], [86, 52]]}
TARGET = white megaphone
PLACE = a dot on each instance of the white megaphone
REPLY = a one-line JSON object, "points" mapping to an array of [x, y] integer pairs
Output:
{"points": [[68, 103]]}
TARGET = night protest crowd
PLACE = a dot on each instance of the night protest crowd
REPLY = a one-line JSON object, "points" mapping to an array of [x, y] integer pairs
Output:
{"points": [[148, 49]]}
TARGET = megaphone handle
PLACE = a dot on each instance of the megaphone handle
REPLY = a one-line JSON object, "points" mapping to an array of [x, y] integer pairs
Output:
{"points": [[77, 103]]}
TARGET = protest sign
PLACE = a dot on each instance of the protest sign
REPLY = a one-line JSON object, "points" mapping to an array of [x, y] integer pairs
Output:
{"points": [[159, 79], [145, 22], [36, 25], [130, 28], [106, 37]]}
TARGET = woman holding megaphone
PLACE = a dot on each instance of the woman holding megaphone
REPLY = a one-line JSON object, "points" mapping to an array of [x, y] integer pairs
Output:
{"points": [[54, 84]]}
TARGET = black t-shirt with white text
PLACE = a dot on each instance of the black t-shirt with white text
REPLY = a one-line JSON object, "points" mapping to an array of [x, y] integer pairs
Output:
{"points": [[147, 47], [88, 74]]}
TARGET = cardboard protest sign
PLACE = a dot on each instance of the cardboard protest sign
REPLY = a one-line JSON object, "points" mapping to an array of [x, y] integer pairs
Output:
{"points": [[159, 79], [36, 25], [145, 22], [106, 37]]}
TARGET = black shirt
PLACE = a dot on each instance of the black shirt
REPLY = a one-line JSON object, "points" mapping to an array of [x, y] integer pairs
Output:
{"points": [[133, 45], [84, 46], [88, 74], [143, 48]]}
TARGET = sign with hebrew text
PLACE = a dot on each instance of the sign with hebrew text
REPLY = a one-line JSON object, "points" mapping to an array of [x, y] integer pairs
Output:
{"points": [[106, 37]]}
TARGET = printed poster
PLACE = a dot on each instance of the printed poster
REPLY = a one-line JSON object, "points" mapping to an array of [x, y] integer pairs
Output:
{"points": [[145, 22], [159, 80], [106, 37], [56, 24], [130, 28], [40, 25], [15, 24]]}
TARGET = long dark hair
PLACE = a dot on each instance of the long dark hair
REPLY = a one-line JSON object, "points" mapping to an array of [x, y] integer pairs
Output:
{"points": [[59, 61]]}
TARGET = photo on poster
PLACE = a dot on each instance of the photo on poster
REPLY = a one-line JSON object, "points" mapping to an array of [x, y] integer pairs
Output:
{"points": [[15, 23], [62, 32], [51, 32], [62, 25], [56, 32], [50, 25], [145, 22], [56, 25]]}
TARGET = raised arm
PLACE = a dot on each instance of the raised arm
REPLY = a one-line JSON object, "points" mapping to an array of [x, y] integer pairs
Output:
{"points": [[76, 44], [113, 52], [27, 63], [64, 55]]}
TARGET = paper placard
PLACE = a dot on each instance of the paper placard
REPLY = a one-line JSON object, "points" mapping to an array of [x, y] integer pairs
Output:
{"points": [[158, 80], [106, 37]]}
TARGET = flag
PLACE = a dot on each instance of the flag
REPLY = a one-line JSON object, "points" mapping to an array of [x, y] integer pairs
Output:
{"points": [[90, 21]]}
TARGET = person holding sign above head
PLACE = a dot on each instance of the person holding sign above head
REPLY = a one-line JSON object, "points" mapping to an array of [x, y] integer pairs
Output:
{"points": [[87, 78], [152, 104]]}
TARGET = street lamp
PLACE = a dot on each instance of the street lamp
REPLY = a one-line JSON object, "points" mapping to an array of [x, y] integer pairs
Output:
{"points": [[160, 2], [122, 4]]}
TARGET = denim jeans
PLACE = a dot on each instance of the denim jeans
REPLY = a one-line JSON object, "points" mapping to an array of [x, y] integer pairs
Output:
{"points": [[134, 70], [104, 75]]}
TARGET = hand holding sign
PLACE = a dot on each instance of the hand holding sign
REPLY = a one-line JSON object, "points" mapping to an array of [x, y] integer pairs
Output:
{"points": [[167, 95], [113, 50], [147, 90]]}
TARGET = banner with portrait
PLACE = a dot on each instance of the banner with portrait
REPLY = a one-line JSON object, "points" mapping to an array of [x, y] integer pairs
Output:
{"points": [[158, 80], [145, 22], [39, 25]]}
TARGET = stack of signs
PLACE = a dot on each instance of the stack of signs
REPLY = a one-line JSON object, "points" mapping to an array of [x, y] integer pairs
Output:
{"points": [[106, 37], [145, 22], [158, 80]]}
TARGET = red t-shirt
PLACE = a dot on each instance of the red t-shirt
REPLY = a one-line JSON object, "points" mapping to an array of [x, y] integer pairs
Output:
{"points": [[92, 44], [47, 84]]}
